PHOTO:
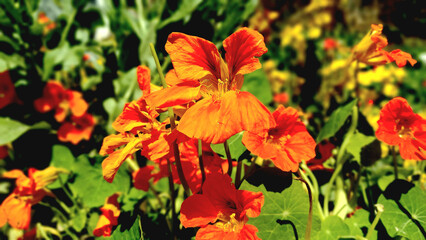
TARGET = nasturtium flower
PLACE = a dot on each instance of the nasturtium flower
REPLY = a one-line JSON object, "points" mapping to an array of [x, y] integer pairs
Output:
{"points": [[399, 125], [16, 208], [109, 216], [222, 211], [77, 129], [370, 50], [324, 150], [287, 144], [7, 89], [138, 129], [44, 20], [56, 97], [224, 110]]}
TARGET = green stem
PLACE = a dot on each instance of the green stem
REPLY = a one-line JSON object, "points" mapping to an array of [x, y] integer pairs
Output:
{"points": [[305, 180], [132, 164], [315, 187], [173, 126], [380, 208], [70, 21], [68, 193], [228, 156], [340, 160]]}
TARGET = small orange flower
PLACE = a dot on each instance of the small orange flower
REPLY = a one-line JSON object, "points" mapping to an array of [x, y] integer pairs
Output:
{"points": [[330, 44], [77, 129], [16, 208], [224, 110], [399, 125], [222, 211], [370, 50], [109, 217], [7, 90], [287, 144], [323, 153], [47, 22], [56, 97]]}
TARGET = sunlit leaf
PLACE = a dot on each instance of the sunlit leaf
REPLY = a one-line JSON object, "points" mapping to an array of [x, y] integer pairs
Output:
{"points": [[10, 130], [236, 147], [336, 121], [284, 214]]}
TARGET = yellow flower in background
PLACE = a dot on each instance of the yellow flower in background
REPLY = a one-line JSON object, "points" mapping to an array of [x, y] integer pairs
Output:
{"points": [[390, 90]]}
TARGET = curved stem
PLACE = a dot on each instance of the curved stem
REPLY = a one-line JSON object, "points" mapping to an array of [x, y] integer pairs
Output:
{"points": [[305, 180], [201, 162], [315, 187], [380, 209], [395, 163], [340, 160], [173, 126]]}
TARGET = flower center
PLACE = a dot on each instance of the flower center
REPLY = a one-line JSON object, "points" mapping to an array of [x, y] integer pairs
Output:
{"points": [[229, 224], [403, 128]]}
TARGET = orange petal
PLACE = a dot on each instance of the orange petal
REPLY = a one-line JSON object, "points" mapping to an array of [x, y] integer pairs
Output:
{"points": [[141, 178], [175, 95], [242, 48], [18, 211], [197, 211], [103, 227], [78, 105], [135, 115], [111, 164], [15, 173], [252, 202], [216, 121], [193, 58], [112, 142], [402, 57], [143, 74]]}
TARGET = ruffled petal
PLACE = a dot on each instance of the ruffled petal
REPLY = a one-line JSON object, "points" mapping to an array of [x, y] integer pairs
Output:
{"points": [[251, 202], [197, 210], [111, 164], [18, 212], [143, 74], [242, 48], [401, 58], [141, 178], [193, 58], [216, 121], [135, 116], [176, 95]]}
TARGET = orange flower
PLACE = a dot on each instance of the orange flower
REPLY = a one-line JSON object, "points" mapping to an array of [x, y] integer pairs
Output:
{"points": [[330, 44], [78, 129], [7, 89], [47, 22], [138, 130], [399, 125], [141, 177], [221, 210], [224, 110], [16, 208], [286, 145], [370, 50], [108, 219], [56, 97]]}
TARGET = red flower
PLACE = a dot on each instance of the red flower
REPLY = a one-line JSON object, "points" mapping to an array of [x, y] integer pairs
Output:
{"points": [[224, 110], [77, 129], [141, 177], [16, 208], [399, 125], [324, 152], [7, 89], [4, 152], [108, 219], [330, 43], [56, 97], [286, 145], [221, 210]]}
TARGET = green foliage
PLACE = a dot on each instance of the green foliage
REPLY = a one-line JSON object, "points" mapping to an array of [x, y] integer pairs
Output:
{"points": [[257, 83], [236, 147], [404, 216], [336, 121], [285, 213], [90, 185], [10, 130], [127, 229], [356, 143], [333, 228]]}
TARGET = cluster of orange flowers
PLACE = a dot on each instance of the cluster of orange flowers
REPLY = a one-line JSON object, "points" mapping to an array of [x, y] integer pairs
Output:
{"points": [[63, 101]]}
